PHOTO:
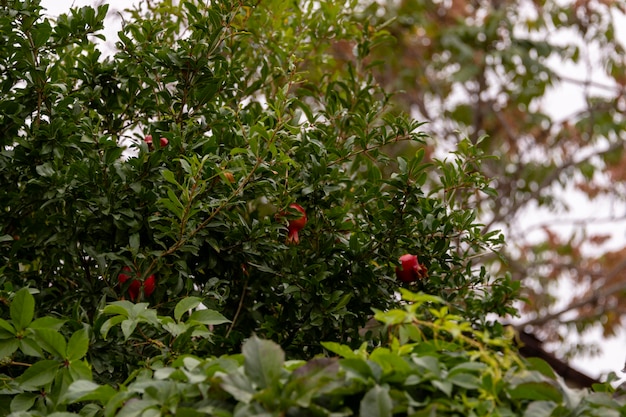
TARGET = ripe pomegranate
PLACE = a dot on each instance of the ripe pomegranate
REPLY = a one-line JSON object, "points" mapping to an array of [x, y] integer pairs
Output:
{"points": [[297, 224], [410, 269], [136, 285]]}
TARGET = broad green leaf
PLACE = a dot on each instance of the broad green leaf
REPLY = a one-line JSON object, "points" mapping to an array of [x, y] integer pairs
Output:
{"points": [[107, 325], [238, 385], [542, 366], [208, 317], [185, 305], [540, 409], [359, 367], [536, 391], [464, 380], [169, 177], [339, 349], [8, 347], [134, 241], [51, 341], [45, 170], [31, 347], [420, 297], [391, 317], [119, 307], [78, 345], [176, 329], [430, 363], [310, 378], [7, 331], [83, 390], [47, 322], [22, 309], [376, 403], [128, 327], [80, 369], [23, 402], [468, 366], [390, 362], [263, 361], [39, 374], [443, 386], [40, 33]]}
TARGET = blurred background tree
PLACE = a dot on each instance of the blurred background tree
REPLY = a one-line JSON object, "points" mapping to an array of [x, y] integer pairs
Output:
{"points": [[507, 69]]}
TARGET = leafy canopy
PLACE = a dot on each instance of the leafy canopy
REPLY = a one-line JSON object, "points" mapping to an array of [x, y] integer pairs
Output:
{"points": [[152, 262]]}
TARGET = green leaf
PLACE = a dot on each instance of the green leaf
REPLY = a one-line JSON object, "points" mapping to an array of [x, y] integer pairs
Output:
{"points": [[536, 391], [339, 349], [8, 347], [359, 367], [169, 177], [420, 297], [128, 327], [78, 345], [134, 242], [208, 317], [309, 379], [263, 361], [464, 380], [40, 33], [443, 386], [23, 402], [47, 322], [376, 403], [6, 238], [22, 309], [80, 370], [107, 325], [51, 341], [80, 391], [542, 366], [184, 305], [468, 366], [239, 386], [540, 409], [7, 330], [31, 347], [38, 375], [45, 170], [119, 307]]}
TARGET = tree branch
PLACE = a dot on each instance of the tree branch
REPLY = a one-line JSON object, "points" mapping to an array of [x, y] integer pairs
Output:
{"points": [[592, 298]]}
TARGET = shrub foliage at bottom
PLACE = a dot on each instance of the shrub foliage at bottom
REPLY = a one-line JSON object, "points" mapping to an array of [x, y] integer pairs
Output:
{"points": [[459, 371]]}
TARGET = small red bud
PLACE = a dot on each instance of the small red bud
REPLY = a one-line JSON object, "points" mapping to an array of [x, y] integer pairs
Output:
{"points": [[163, 142]]}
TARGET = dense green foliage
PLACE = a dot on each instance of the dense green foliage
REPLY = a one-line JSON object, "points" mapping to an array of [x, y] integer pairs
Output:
{"points": [[250, 130]]}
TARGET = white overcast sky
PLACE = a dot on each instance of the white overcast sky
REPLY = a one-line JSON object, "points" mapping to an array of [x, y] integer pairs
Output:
{"points": [[564, 101]]}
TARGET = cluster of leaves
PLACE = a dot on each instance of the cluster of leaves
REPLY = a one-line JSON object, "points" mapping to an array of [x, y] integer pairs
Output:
{"points": [[248, 134], [250, 131], [545, 82], [456, 370]]}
